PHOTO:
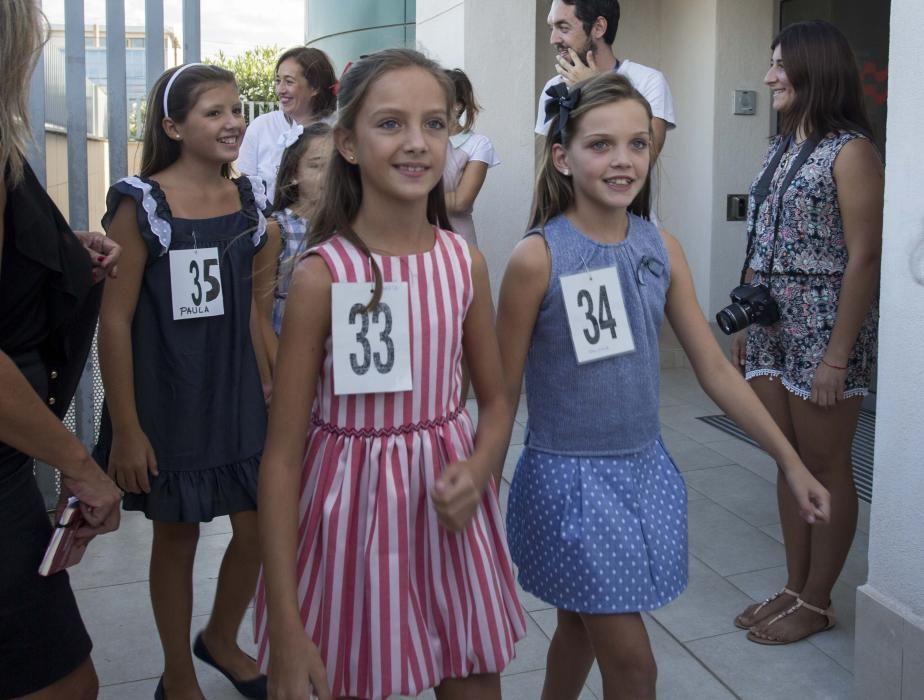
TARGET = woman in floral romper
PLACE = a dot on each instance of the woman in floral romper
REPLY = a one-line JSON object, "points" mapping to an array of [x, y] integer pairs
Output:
{"points": [[813, 367]]}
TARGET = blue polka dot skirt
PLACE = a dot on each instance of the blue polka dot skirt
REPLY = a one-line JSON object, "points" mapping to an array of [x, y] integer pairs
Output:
{"points": [[599, 534]]}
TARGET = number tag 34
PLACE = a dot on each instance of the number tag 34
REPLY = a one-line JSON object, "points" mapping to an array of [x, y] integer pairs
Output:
{"points": [[195, 283], [597, 315], [372, 349]]}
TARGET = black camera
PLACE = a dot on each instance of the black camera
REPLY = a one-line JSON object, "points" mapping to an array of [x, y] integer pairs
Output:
{"points": [[751, 303]]}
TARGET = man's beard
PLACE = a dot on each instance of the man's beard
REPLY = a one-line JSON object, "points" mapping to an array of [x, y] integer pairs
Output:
{"points": [[583, 51]]}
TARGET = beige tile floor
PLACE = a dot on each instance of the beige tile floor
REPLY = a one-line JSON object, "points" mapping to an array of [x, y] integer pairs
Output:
{"points": [[735, 557]]}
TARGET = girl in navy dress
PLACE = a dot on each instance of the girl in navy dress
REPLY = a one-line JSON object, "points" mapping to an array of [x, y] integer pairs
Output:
{"points": [[597, 511], [184, 421]]}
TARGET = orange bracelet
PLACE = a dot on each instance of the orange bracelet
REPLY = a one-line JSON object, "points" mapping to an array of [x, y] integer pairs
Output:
{"points": [[824, 361]]}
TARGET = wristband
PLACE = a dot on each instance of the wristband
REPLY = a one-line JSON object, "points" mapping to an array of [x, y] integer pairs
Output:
{"points": [[824, 361]]}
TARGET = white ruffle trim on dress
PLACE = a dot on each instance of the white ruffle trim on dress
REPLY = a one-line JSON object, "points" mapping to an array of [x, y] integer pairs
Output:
{"points": [[793, 389], [159, 227], [259, 196]]}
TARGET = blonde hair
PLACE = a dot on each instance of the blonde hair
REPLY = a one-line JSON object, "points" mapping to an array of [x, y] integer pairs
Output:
{"points": [[343, 191], [22, 35], [554, 193]]}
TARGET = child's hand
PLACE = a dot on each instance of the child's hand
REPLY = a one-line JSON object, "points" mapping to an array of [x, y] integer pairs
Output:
{"points": [[296, 671], [813, 499], [130, 460], [456, 495]]}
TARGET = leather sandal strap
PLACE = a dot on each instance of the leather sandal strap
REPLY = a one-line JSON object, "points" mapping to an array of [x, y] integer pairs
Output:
{"points": [[827, 613], [786, 613], [782, 591]]}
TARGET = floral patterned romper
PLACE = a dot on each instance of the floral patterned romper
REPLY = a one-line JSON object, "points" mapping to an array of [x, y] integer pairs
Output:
{"points": [[808, 268]]}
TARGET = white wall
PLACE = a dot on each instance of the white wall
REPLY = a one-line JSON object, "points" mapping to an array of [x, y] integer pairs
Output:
{"points": [[500, 59], [639, 34], [440, 26], [745, 29], [688, 60], [896, 539], [496, 44]]}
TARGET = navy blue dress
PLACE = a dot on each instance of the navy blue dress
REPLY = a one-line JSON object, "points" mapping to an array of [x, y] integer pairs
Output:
{"points": [[197, 388]]}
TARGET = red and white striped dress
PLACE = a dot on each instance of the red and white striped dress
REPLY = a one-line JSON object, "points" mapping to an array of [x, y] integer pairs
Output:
{"points": [[395, 602]]}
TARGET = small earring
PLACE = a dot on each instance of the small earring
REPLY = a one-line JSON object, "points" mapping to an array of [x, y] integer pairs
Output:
{"points": [[566, 173], [178, 137]]}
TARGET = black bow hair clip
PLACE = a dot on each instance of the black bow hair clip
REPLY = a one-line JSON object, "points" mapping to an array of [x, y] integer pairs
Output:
{"points": [[562, 103]]}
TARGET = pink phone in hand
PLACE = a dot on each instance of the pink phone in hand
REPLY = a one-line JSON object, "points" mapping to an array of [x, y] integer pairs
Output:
{"points": [[63, 550]]}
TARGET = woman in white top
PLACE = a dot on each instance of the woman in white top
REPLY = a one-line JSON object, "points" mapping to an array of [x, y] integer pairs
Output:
{"points": [[470, 155], [305, 86]]}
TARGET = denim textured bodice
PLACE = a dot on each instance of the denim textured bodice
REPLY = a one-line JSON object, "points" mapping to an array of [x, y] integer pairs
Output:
{"points": [[609, 406]]}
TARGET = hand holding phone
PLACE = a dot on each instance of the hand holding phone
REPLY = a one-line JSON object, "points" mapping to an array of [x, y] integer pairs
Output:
{"points": [[64, 549]]}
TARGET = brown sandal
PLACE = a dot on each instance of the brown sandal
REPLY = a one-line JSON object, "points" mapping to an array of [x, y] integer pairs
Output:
{"points": [[784, 591], [827, 613]]}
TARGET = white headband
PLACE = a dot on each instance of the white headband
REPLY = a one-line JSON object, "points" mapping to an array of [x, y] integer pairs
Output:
{"points": [[173, 77]]}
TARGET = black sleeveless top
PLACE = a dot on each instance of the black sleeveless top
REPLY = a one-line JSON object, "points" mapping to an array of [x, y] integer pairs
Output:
{"points": [[48, 304]]}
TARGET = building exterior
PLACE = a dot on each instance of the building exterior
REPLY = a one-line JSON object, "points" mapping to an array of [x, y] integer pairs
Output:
{"points": [[708, 49], [346, 29], [95, 42]]}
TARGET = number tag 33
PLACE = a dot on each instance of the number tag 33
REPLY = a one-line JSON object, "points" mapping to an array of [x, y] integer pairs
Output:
{"points": [[372, 349], [597, 315], [195, 283]]}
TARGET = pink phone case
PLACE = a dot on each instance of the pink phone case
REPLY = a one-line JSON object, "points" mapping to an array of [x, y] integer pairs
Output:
{"points": [[63, 551]]}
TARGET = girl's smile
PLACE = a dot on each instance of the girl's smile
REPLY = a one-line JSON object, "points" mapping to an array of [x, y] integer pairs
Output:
{"points": [[401, 135], [214, 128], [608, 158]]}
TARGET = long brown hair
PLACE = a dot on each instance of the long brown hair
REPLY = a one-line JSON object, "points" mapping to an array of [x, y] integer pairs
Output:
{"points": [[343, 190], [319, 72], [159, 150], [822, 70], [554, 193], [21, 38]]}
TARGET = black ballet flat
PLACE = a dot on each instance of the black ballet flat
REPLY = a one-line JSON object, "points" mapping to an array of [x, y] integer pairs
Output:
{"points": [[159, 690], [253, 688]]}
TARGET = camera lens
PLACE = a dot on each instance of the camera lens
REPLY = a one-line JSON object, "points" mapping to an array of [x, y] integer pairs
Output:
{"points": [[732, 319]]}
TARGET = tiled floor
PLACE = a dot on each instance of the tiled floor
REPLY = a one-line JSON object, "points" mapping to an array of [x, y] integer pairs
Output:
{"points": [[735, 556]]}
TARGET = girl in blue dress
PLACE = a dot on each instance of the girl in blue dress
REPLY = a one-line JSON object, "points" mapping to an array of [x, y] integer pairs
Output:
{"points": [[597, 516]]}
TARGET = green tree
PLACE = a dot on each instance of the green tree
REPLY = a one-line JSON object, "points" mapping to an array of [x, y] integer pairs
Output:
{"points": [[254, 70]]}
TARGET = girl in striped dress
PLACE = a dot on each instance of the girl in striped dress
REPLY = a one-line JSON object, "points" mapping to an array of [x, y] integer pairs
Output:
{"points": [[385, 564]]}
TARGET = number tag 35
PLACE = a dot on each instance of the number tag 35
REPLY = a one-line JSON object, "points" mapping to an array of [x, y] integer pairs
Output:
{"points": [[597, 315], [195, 283], [372, 349]]}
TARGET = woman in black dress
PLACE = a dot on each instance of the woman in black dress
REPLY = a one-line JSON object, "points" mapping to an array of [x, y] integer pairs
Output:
{"points": [[48, 308]]}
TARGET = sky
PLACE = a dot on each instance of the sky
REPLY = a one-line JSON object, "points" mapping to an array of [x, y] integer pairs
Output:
{"points": [[232, 26]]}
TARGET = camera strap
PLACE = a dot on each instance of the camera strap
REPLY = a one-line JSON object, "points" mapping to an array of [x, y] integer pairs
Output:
{"points": [[762, 191]]}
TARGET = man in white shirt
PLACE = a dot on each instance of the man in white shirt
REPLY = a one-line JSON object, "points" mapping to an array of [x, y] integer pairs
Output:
{"points": [[583, 32]]}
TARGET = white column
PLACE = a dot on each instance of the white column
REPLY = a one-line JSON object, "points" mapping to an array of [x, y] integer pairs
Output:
{"points": [[889, 662], [500, 52], [440, 31]]}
